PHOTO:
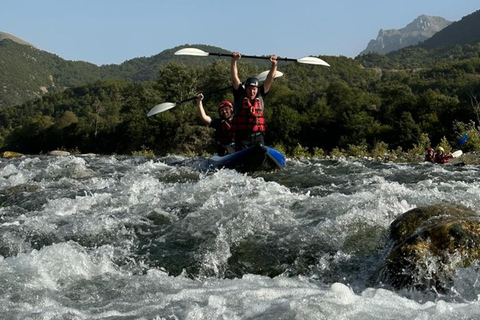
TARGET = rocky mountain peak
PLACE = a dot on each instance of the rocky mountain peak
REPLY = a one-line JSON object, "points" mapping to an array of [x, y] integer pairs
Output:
{"points": [[420, 29]]}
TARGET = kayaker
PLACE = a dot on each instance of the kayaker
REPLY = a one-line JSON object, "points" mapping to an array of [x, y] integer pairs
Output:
{"points": [[441, 156], [222, 125], [249, 117], [430, 155]]}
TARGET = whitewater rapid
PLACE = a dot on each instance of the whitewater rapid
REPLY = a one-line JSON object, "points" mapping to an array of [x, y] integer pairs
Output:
{"points": [[119, 237]]}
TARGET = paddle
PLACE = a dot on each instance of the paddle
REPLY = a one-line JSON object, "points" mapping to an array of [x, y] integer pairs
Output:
{"points": [[457, 153], [201, 53], [462, 140], [169, 105]]}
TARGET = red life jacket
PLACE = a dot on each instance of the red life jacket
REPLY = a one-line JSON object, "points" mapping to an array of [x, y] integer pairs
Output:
{"points": [[441, 158], [251, 117], [224, 133], [430, 158]]}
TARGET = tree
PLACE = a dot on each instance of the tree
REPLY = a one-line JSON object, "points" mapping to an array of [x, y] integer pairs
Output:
{"points": [[284, 125], [31, 138], [178, 82], [407, 130], [65, 120]]}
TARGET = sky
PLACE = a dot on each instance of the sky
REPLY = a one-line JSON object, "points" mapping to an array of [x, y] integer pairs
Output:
{"points": [[113, 31]]}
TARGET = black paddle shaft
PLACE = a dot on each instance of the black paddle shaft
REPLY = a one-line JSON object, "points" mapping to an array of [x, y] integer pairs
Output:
{"points": [[252, 57], [205, 94]]}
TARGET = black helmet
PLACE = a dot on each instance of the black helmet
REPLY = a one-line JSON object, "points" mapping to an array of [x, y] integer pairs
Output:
{"points": [[252, 81]]}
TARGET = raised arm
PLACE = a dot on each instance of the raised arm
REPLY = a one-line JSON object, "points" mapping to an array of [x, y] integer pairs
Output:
{"points": [[234, 70], [201, 112], [271, 74]]}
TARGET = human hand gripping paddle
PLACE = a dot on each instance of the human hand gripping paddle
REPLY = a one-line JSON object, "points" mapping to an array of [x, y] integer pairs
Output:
{"points": [[169, 105], [201, 53]]}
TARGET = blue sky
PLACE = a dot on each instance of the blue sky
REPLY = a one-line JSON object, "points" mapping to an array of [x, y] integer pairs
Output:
{"points": [[112, 31]]}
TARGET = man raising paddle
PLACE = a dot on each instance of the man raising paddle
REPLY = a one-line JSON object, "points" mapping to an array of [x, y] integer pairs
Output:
{"points": [[222, 125], [249, 117]]}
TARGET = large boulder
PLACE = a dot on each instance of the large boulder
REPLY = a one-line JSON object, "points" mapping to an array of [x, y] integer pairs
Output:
{"points": [[429, 244]]}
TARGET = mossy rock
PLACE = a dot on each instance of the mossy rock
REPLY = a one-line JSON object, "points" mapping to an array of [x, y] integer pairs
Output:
{"points": [[411, 221], [428, 246]]}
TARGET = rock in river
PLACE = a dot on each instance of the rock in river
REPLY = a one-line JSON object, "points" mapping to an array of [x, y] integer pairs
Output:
{"points": [[429, 245]]}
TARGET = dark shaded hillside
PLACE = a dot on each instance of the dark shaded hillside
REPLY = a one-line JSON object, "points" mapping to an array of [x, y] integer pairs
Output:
{"points": [[417, 58], [28, 73], [465, 31]]}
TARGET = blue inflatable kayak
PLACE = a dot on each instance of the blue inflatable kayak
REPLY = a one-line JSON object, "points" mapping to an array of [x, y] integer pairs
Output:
{"points": [[256, 158]]}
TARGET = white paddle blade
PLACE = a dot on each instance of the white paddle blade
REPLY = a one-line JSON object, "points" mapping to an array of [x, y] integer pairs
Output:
{"points": [[263, 75], [191, 52], [160, 108], [457, 153], [313, 60]]}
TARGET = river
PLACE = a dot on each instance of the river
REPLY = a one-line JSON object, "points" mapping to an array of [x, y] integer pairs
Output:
{"points": [[124, 237]]}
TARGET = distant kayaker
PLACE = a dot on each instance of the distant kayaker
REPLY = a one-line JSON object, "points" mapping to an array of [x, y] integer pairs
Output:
{"points": [[249, 99], [430, 155], [222, 125], [441, 156]]}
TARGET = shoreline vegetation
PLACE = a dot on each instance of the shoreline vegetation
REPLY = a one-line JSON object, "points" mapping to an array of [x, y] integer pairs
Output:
{"points": [[345, 110], [397, 156]]}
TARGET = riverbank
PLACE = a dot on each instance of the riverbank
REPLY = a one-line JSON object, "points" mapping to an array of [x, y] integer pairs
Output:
{"points": [[469, 158]]}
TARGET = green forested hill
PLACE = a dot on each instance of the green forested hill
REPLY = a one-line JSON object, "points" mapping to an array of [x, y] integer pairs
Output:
{"points": [[27, 73], [465, 31], [342, 107]]}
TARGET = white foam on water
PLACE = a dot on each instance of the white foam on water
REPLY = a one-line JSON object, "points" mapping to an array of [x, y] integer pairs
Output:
{"points": [[68, 207], [66, 280], [40, 281], [70, 166], [288, 298], [11, 175], [55, 271], [233, 206], [54, 266]]}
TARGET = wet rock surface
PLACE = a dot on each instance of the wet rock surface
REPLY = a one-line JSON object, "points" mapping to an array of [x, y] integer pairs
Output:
{"points": [[429, 245]]}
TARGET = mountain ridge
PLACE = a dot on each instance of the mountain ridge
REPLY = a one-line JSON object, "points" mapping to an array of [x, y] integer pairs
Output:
{"points": [[420, 29], [6, 35], [464, 31], [27, 72]]}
